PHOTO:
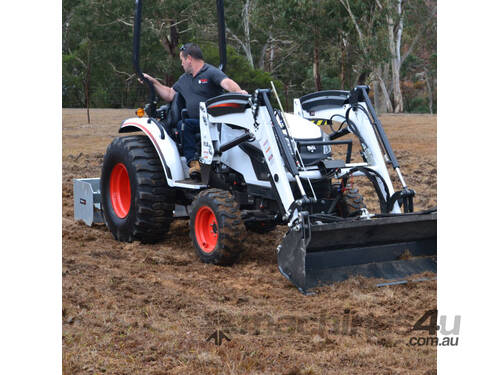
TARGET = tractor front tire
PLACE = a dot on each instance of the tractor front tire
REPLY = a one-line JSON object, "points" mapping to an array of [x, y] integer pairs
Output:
{"points": [[351, 203], [216, 228], [137, 202]]}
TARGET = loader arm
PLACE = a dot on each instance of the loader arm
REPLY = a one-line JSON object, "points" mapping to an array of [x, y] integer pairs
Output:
{"points": [[356, 109]]}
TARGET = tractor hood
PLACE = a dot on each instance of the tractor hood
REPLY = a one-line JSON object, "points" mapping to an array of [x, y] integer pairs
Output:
{"points": [[301, 128]]}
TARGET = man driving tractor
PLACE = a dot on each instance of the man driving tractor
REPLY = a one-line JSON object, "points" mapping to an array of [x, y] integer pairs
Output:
{"points": [[201, 81]]}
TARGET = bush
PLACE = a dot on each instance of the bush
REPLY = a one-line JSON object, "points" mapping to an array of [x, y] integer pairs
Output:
{"points": [[418, 105]]}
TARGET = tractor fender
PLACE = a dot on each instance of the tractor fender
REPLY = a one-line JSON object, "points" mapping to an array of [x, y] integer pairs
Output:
{"points": [[166, 147]]}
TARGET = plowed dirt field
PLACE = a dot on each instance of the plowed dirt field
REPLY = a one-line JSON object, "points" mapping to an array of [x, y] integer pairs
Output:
{"points": [[130, 308]]}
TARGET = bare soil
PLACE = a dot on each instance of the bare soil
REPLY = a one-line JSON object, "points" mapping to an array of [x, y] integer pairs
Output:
{"points": [[130, 308]]}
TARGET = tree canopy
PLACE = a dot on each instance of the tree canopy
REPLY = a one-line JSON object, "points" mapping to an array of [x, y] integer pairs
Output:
{"points": [[301, 45]]}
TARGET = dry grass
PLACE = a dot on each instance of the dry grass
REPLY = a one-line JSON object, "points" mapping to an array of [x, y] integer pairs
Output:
{"points": [[148, 309]]}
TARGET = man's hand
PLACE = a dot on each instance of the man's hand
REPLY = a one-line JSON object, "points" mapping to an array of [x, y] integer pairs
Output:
{"points": [[165, 92], [148, 77], [244, 92]]}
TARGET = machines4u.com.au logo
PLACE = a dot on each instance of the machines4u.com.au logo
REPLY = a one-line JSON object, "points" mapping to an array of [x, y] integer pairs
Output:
{"points": [[428, 322]]}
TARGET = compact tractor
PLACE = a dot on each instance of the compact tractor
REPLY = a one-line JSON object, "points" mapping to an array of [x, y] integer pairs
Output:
{"points": [[262, 167]]}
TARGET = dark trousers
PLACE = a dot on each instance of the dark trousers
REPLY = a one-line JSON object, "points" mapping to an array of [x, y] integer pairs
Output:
{"points": [[191, 128]]}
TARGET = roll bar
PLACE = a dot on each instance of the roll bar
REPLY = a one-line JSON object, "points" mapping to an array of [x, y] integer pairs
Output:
{"points": [[151, 107], [151, 110]]}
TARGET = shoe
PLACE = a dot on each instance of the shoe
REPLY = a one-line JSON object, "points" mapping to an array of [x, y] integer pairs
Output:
{"points": [[194, 169]]}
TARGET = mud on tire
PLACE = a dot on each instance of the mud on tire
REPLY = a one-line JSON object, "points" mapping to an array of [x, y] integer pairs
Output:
{"points": [[216, 227], [137, 202]]}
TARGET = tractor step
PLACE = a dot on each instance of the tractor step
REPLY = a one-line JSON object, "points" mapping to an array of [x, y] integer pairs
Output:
{"points": [[190, 181], [388, 248]]}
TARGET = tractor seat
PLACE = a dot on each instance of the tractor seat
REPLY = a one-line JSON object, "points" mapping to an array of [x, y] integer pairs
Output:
{"points": [[184, 116], [176, 113]]}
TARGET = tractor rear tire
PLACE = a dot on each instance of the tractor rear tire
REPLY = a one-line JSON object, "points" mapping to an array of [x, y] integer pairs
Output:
{"points": [[216, 228], [351, 203], [137, 202]]}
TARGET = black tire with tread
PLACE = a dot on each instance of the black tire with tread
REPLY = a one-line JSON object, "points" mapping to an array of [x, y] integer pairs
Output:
{"points": [[152, 200], [351, 202], [229, 225]]}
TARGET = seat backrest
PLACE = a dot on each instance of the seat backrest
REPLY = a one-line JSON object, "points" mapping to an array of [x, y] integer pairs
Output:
{"points": [[174, 115]]}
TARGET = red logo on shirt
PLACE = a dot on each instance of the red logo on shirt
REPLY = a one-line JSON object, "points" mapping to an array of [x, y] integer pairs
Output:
{"points": [[203, 80]]}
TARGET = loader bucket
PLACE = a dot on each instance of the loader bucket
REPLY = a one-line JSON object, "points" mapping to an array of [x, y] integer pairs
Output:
{"points": [[386, 247]]}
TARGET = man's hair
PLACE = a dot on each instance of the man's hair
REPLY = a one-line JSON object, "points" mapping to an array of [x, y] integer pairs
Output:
{"points": [[190, 49]]}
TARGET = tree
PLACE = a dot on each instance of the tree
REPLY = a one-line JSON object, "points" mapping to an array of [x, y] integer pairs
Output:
{"points": [[391, 16], [367, 21], [305, 44]]}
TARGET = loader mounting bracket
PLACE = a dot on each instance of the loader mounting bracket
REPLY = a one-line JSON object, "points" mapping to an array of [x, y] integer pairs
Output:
{"points": [[404, 198]]}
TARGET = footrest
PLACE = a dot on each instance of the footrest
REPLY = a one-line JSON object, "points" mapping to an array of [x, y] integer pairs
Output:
{"points": [[190, 181]]}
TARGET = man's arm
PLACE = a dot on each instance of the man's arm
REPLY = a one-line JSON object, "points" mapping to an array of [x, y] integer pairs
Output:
{"points": [[231, 86], [165, 92]]}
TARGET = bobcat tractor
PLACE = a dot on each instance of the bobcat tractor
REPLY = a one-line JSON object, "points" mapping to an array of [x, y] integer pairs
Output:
{"points": [[262, 167]]}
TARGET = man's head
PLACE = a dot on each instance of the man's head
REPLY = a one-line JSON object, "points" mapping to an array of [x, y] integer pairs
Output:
{"points": [[190, 54]]}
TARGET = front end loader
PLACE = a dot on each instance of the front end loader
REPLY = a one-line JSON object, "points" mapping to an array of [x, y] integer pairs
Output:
{"points": [[391, 244], [331, 234], [262, 167]]}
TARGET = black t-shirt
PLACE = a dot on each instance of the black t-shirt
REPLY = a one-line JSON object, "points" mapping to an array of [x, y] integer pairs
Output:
{"points": [[205, 85]]}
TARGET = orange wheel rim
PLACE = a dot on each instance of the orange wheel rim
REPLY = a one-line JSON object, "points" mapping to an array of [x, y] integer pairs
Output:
{"points": [[206, 229], [119, 190]]}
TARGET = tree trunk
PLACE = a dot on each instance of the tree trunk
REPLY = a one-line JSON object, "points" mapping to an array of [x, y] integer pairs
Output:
{"points": [[317, 77], [429, 90], [386, 70], [271, 58], [377, 102], [87, 84], [172, 40], [342, 63], [286, 98], [395, 49], [398, 96], [383, 88], [246, 27], [362, 78], [263, 51]]}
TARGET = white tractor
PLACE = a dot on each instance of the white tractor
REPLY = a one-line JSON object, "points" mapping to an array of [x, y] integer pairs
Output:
{"points": [[261, 167]]}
